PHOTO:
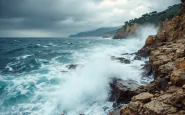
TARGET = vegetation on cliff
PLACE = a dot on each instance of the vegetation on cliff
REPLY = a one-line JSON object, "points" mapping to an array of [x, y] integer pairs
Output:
{"points": [[166, 94], [95, 33], [152, 18]]}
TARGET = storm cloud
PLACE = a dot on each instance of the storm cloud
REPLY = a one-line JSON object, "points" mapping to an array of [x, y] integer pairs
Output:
{"points": [[44, 18]]}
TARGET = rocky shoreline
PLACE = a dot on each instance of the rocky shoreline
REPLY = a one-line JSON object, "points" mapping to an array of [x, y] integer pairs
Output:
{"points": [[166, 94]]}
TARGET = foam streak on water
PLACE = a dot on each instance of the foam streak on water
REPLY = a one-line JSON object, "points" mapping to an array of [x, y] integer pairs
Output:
{"points": [[34, 80]]}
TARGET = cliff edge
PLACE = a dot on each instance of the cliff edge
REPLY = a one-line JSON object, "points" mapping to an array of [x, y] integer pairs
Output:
{"points": [[129, 28], [166, 94]]}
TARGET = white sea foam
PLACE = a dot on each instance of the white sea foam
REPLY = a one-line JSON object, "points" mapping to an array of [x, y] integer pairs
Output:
{"points": [[23, 56], [84, 90]]}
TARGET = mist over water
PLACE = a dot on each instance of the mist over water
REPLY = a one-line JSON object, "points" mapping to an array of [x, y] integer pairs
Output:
{"points": [[34, 78]]}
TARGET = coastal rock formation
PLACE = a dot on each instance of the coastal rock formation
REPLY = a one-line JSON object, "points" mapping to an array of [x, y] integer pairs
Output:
{"points": [[166, 94], [123, 90], [124, 32], [129, 28], [121, 59]]}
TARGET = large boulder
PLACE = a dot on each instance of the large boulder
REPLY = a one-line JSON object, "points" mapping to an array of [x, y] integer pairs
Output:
{"points": [[178, 77], [121, 59], [123, 90], [174, 99], [159, 108]]}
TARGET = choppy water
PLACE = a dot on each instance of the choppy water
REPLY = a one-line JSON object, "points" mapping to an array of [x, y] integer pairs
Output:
{"points": [[34, 81]]}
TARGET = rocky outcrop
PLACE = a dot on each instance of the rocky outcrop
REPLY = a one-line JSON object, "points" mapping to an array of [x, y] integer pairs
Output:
{"points": [[125, 31], [123, 90], [166, 94], [121, 59], [72, 66]]}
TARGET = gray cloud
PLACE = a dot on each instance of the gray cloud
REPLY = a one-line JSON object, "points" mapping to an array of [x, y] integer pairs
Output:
{"points": [[64, 17]]}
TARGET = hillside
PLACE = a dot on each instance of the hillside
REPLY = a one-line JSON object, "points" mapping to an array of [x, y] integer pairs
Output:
{"points": [[95, 33], [150, 18]]}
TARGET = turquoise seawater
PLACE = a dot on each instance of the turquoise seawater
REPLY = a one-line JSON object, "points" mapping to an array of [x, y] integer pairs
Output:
{"points": [[35, 79]]}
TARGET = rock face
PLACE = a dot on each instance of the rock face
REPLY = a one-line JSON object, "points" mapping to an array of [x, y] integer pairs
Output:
{"points": [[122, 90], [166, 94], [143, 97], [124, 32]]}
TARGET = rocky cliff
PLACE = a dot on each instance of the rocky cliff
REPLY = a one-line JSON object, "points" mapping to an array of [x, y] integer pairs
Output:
{"points": [[166, 94], [149, 18], [126, 31]]}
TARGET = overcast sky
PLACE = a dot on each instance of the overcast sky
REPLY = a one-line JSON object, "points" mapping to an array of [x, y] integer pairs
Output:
{"points": [[45, 18]]}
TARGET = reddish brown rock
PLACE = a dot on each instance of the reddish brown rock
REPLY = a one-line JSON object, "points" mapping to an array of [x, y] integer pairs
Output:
{"points": [[166, 94], [159, 108], [150, 40], [178, 77], [143, 97], [126, 31]]}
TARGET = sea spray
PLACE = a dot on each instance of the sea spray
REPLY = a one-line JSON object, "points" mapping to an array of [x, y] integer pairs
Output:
{"points": [[49, 90]]}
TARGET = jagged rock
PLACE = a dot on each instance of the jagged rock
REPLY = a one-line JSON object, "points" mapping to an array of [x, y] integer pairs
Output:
{"points": [[166, 69], [161, 84], [143, 97], [150, 40], [147, 70], [159, 108], [132, 108], [180, 53], [178, 78], [121, 59], [122, 91], [144, 52], [72, 66], [137, 57], [166, 94], [116, 111], [124, 32], [173, 89]]}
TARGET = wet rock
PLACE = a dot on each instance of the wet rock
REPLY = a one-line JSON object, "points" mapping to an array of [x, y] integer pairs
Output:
{"points": [[72, 66], [147, 70], [64, 71], [121, 59], [115, 112], [137, 57], [166, 94], [144, 52], [122, 91]]}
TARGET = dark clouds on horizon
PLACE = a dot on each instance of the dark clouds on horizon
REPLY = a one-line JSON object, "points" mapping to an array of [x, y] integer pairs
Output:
{"points": [[55, 18]]}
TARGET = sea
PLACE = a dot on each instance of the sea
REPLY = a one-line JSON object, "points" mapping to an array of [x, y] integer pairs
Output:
{"points": [[36, 78]]}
